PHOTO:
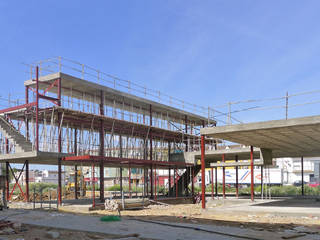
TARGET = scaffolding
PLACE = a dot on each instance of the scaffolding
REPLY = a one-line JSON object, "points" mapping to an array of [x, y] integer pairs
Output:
{"points": [[88, 119]]}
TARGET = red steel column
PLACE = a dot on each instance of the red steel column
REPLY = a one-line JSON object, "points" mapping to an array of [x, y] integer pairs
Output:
{"points": [[129, 182], [216, 180], [102, 149], [37, 108], [27, 181], [212, 184], [186, 131], [223, 178], [203, 172], [93, 187], [237, 178], [59, 145], [176, 180], [76, 167], [27, 120], [252, 173], [155, 183], [192, 182], [7, 181], [150, 136]]}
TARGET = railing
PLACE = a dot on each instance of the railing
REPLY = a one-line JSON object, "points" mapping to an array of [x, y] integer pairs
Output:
{"points": [[61, 64]]}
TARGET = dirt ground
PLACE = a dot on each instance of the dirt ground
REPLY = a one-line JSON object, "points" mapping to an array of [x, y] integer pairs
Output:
{"points": [[216, 214], [28, 232]]}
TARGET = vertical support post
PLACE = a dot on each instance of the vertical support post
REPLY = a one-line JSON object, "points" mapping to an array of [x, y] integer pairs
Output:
{"points": [[37, 108], [176, 182], [252, 173], [59, 182], [121, 186], [27, 120], [302, 177], [155, 182], [169, 182], [27, 181], [216, 180], [7, 181], [237, 177], [93, 187], [130, 182], [212, 184], [59, 144], [192, 181], [223, 178], [186, 131], [203, 173], [75, 182], [75, 167], [150, 138], [261, 182], [102, 149], [169, 175]]}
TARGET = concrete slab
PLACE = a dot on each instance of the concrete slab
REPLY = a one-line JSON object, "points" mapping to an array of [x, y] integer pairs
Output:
{"points": [[73, 86], [286, 138]]}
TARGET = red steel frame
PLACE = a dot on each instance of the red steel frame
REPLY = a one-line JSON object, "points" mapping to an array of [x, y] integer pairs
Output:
{"points": [[252, 173], [203, 172], [57, 101], [25, 195]]}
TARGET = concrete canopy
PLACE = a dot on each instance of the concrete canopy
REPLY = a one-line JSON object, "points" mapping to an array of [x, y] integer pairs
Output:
{"points": [[285, 138]]}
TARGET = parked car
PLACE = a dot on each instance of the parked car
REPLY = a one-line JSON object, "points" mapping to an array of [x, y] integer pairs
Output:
{"points": [[299, 183], [314, 184]]}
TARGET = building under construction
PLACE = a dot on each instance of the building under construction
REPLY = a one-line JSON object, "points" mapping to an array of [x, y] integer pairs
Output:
{"points": [[77, 116]]}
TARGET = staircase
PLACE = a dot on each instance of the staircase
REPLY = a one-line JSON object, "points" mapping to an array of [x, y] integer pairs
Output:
{"points": [[8, 130], [183, 182]]}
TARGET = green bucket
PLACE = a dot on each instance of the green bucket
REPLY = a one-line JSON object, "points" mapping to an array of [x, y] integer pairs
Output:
{"points": [[111, 218]]}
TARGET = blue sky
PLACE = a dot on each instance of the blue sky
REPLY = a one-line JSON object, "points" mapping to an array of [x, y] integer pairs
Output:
{"points": [[206, 52]]}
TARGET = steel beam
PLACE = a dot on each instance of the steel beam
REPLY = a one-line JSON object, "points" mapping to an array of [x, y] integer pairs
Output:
{"points": [[102, 147]]}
